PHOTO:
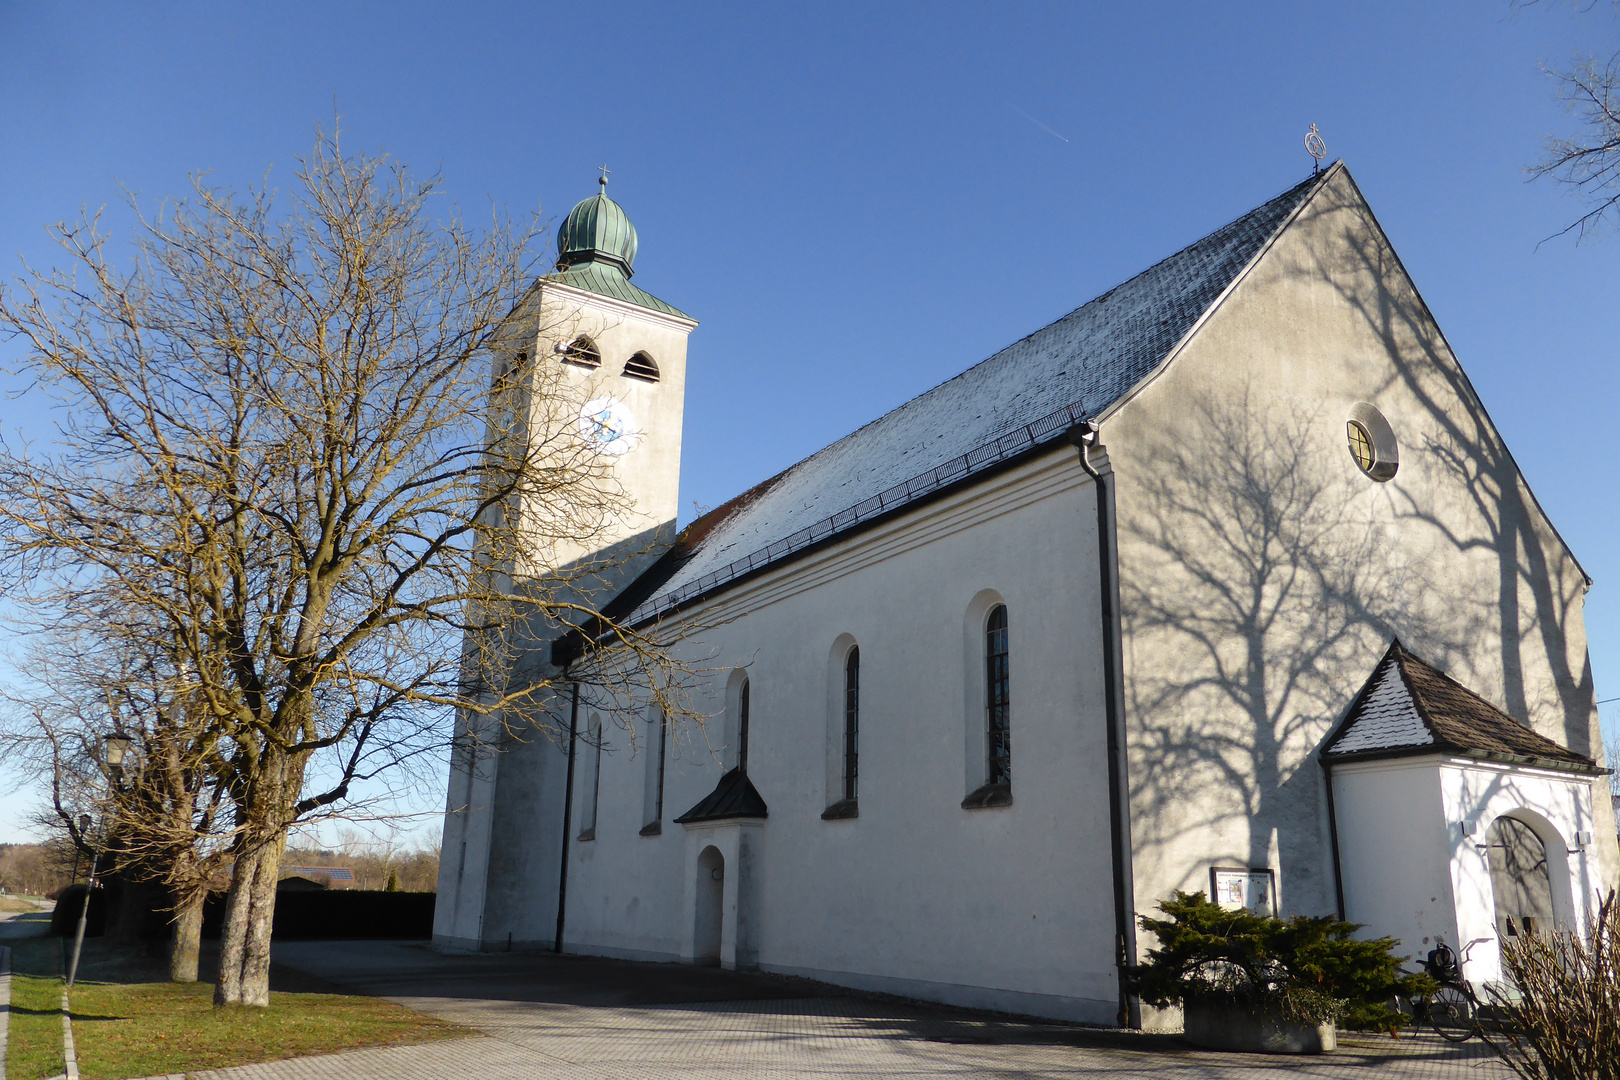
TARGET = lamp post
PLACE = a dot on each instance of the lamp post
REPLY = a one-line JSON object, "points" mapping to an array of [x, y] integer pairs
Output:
{"points": [[84, 831], [114, 749]]}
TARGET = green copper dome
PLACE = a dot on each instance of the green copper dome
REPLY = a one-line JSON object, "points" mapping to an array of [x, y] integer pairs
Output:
{"points": [[597, 231]]}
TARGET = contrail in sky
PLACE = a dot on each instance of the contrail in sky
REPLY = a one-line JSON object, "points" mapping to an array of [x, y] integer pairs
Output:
{"points": [[1034, 121]]}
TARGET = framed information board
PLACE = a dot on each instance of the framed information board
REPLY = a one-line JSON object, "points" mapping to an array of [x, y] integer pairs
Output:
{"points": [[1254, 888]]}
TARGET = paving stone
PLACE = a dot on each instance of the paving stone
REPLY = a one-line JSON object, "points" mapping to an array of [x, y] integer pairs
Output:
{"points": [[545, 1017]]}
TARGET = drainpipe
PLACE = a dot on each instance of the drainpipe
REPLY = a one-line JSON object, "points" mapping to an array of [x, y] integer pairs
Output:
{"points": [[1086, 436], [568, 818], [1333, 837]]}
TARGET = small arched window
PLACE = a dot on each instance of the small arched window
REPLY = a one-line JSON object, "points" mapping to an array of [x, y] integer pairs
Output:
{"points": [[582, 352], [742, 728], [593, 743], [852, 723], [653, 797], [997, 703], [641, 366]]}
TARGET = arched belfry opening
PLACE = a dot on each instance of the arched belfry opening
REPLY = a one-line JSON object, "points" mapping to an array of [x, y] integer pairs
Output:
{"points": [[582, 352], [641, 366], [1521, 883], [710, 914]]}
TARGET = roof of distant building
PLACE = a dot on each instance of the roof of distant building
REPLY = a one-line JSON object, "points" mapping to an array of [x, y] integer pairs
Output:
{"points": [[333, 873], [1409, 707], [1028, 394]]}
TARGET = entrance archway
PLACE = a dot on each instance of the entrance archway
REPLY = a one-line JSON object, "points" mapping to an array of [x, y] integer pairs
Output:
{"points": [[711, 900], [1520, 882]]}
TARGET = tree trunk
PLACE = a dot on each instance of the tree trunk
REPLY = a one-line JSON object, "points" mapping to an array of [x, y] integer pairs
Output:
{"points": [[256, 951], [228, 987], [185, 936]]}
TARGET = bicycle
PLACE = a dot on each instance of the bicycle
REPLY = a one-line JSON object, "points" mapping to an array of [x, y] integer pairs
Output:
{"points": [[1452, 1010]]}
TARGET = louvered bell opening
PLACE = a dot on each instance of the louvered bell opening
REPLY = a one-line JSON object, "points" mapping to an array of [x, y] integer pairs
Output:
{"points": [[641, 366], [582, 352]]}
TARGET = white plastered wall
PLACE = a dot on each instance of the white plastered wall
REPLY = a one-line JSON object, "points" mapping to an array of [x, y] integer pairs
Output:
{"points": [[1005, 907], [1226, 708], [498, 880], [1412, 849]]}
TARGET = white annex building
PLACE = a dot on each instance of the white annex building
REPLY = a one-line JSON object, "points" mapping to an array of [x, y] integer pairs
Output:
{"points": [[1224, 581]]}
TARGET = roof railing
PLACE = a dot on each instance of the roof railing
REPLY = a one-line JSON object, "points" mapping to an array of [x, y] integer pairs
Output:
{"points": [[977, 460]]}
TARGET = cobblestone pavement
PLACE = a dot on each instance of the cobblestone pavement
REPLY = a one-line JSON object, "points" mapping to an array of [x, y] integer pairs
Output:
{"points": [[546, 1016]]}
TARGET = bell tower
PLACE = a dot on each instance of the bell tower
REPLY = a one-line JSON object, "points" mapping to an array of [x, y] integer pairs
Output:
{"points": [[608, 379], [619, 357]]}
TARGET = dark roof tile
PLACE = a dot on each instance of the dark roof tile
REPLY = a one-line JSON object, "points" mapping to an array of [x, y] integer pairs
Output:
{"points": [[1408, 707], [1029, 392]]}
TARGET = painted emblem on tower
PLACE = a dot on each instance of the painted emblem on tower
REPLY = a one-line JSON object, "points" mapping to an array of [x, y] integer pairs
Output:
{"points": [[608, 425]]}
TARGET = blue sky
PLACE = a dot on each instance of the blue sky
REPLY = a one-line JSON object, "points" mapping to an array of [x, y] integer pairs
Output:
{"points": [[859, 201]]}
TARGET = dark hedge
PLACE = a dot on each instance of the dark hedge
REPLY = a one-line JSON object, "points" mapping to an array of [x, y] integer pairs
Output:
{"points": [[339, 914]]}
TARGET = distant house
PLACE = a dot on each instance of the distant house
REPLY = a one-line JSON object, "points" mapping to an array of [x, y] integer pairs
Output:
{"points": [[299, 883], [320, 877]]}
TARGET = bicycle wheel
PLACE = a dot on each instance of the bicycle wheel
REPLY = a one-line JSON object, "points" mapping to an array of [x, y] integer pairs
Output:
{"points": [[1451, 1012]]}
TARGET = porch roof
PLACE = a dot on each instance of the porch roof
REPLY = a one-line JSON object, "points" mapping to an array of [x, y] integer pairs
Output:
{"points": [[1409, 707]]}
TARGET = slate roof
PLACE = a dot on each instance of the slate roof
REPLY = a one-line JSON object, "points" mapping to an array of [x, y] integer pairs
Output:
{"points": [[606, 281], [1026, 395], [733, 797], [1408, 707]]}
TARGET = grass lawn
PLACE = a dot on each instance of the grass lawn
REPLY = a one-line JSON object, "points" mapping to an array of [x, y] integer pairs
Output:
{"points": [[128, 1022], [34, 1034]]}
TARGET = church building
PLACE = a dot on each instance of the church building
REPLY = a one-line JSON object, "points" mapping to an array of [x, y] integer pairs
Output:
{"points": [[1223, 582]]}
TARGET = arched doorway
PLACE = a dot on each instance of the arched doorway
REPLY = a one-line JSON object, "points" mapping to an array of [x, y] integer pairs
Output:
{"points": [[1520, 882], [711, 899]]}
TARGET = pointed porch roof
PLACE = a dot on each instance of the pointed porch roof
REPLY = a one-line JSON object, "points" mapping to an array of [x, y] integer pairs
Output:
{"points": [[1408, 707], [733, 797]]}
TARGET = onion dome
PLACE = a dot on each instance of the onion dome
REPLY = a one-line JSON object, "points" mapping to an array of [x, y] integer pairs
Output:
{"points": [[597, 231]]}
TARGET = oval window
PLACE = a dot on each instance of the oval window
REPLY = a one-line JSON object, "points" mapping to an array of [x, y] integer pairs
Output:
{"points": [[1372, 442]]}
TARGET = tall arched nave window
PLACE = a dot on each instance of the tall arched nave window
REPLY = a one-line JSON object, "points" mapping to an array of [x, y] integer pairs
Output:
{"points": [[852, 722], [997, 702]]}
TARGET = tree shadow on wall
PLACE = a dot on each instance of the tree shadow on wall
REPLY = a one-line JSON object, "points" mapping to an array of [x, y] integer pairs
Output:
{"points": [[1258, 591], [1538, 589]]}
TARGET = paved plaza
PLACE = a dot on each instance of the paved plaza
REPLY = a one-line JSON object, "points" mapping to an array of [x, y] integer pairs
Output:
{"points": [[546, 1016]]}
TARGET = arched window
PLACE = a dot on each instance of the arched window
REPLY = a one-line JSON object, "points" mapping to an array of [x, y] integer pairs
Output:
{"points": [[641, 366], [742, 727], [653, 797], [582, 352], [852, 723], [997, 704], [593, 743]]}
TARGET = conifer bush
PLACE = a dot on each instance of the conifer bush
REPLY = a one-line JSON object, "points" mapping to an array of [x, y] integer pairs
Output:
{"points": [[1308, 968]]}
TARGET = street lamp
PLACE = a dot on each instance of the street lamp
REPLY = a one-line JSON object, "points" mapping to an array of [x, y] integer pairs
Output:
{"points": [[114, 749], [84, 832]]}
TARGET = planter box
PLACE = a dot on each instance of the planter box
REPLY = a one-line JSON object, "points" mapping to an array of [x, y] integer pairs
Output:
{"points": [[1231, 1027]]}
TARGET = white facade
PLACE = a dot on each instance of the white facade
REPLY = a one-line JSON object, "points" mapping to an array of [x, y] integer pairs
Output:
{"points": [[1222, 710], [912, 895], [1412, 845]]}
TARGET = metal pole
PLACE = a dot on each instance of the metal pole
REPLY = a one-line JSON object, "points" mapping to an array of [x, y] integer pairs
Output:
{"points": [[84, 917], [568, 820]]}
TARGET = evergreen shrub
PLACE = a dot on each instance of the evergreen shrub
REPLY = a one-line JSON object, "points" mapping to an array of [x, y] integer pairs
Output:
{"points": [[1307, 969]]}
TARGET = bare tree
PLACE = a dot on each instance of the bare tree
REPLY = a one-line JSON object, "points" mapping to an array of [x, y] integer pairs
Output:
{"points": [[164, 820], [280, 442], [1589, 161]]}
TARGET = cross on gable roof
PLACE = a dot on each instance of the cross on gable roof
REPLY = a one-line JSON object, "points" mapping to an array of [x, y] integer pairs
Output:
{"points": [[1408, 707]]}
